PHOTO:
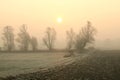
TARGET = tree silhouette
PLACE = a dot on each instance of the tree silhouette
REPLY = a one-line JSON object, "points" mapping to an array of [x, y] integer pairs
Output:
{"points": [[23, 38], [8, 38], [34, 43], [49, 38], [85, 37], [70, 39]]}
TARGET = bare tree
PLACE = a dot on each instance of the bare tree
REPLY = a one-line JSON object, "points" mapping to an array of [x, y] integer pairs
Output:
{"points": [[8, 38], [34, 43], [49, 38], [70, 39], [23, 38], [85, 37]]}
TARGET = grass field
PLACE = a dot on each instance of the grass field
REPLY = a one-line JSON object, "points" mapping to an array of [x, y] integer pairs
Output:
{"points": [[16, 63], [100, 65]]}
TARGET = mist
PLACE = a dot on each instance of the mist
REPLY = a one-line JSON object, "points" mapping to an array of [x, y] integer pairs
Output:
{"points": [[40, 14]]}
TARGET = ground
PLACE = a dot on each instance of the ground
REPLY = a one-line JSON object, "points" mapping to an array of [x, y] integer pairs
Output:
{"points": [[17, 63], [99, 65]]}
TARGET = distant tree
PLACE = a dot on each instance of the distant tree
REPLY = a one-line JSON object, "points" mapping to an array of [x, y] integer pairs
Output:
{"points": [[50, 37], [34, 43], [70, 39], [23, 38], [8, 38], [85, 37]]}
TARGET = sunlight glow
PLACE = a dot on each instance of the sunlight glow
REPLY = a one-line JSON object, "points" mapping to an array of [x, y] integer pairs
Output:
{"points": [[59, 20]]}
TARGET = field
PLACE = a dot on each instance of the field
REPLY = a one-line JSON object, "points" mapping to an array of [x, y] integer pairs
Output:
{"points": [[100, 65], [16, 63]]}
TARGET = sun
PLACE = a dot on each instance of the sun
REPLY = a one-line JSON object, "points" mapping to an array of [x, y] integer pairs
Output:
{"points": [[59, 20]]}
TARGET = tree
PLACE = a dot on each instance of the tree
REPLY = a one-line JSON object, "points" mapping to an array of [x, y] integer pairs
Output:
{"points": [[34, 43], [49, 38], [70, 39], [85, 37], [23, 38], [8, 38]]}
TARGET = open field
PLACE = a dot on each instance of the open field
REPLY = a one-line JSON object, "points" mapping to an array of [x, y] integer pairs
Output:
{"points": [[101, 65], [16, 63]]}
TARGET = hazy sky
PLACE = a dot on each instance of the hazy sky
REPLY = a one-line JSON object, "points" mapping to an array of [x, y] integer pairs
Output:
{"points": [[39, 14]]}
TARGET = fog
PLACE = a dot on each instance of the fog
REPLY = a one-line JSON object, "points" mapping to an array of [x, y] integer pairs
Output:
{"points": [[40, 14]]}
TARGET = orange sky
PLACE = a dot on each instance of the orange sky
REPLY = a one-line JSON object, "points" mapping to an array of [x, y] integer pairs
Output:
{"points": [[39, 14]]}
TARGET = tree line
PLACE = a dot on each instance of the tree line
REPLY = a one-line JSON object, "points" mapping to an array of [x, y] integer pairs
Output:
{"points": [[74, 41]]}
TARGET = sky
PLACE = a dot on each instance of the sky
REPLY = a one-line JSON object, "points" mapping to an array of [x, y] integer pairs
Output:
{"points": [[40, 14]]}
